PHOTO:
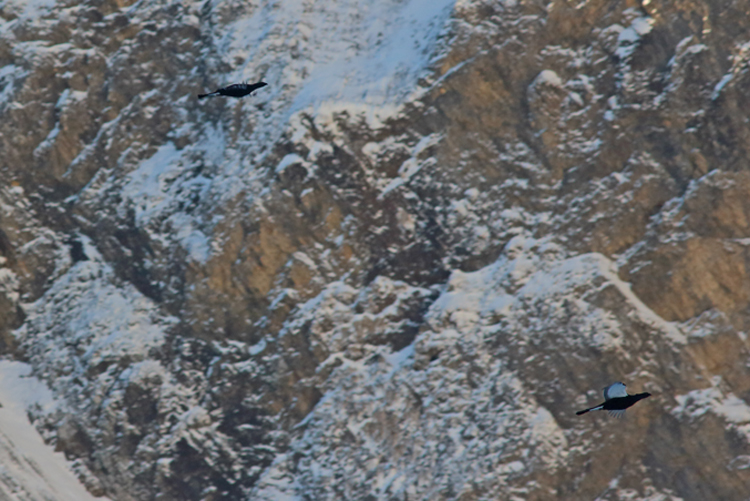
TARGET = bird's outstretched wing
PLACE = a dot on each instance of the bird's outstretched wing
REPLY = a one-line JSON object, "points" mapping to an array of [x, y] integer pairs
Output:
{"points": [[615, 390], [235, 90]]}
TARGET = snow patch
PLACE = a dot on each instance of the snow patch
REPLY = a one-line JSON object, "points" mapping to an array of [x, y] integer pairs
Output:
{"points": [[697, 403], [548, 77], [629, 37], [86, 318], [148, 185], [29, 468], [28, 9]]}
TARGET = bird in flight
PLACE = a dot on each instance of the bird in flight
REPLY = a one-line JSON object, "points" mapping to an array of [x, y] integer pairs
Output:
{"points": [[616, 400], [235, 90]]}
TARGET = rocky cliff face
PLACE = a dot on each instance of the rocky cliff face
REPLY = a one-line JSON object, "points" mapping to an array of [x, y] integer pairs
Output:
{"points": [[395, 272]]}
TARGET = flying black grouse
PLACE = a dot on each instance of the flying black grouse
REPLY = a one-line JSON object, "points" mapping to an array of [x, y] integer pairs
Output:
{"points": [[616, 400], [235, 90]]}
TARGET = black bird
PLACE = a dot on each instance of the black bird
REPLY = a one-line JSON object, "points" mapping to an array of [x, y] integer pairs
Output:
{"points": [[616, 400], [235, 90]]}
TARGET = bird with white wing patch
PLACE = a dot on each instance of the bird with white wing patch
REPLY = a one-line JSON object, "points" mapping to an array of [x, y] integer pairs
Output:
{"points": [[616, 400]]}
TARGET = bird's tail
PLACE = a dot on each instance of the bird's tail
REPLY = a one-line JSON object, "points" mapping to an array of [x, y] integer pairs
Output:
{"points": [[595, 408], [210, 94]]}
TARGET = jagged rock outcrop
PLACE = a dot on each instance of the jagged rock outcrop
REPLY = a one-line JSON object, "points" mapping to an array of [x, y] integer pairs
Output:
{"points": [[398, 270]]}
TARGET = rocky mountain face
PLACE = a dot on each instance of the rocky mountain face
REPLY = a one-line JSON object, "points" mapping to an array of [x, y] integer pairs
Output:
{"points": [[397, 271]]}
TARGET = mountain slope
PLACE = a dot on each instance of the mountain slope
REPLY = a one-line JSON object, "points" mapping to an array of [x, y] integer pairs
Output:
{"points": [[396, 271]]}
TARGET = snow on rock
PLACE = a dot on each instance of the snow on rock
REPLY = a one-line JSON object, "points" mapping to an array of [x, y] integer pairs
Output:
{"points": [[548, 77], [31, 470], [351, 52], [359, 59], [28, 9], [696, 403], [86, 319], [452, 412], [629, 37], [391, 272]]}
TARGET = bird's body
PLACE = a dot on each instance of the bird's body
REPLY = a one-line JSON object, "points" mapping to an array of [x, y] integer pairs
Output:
{"points": [[616, 400], [235, 90]]}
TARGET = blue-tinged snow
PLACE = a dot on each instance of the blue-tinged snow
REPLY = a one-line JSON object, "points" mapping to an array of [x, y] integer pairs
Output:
{"points": [[147, 187], [320, 60], [410, 167], [739, 64], [352, 51], [8, 75], [629, 37], [404, 423], [30, 470], [26, 10], [361, 59], [86, 318]]}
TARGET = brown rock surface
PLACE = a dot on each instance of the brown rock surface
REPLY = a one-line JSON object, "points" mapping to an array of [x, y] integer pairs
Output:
{"points": [[401, 289]]}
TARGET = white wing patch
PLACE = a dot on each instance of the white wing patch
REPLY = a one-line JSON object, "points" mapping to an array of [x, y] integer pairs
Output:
{"points": [[617, 414], [615, 390]]}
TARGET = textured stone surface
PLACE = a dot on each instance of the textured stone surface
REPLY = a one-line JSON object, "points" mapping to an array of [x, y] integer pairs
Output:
{"points": [[381, 282]]}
